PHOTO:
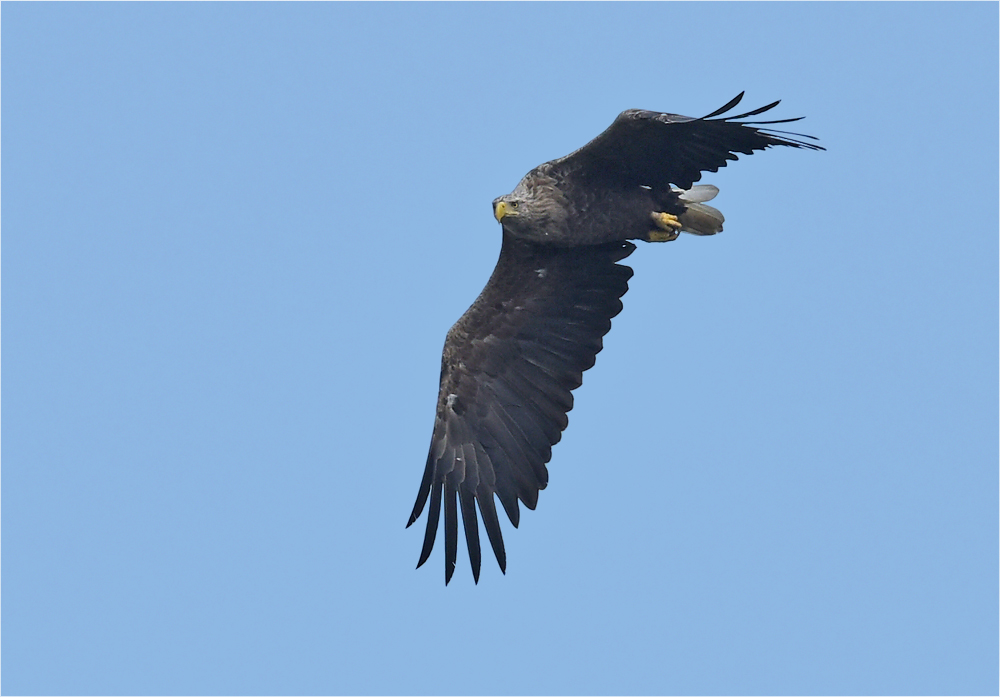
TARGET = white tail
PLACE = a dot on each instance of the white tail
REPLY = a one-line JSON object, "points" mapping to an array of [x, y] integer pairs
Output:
{"points": [[700, 219]]}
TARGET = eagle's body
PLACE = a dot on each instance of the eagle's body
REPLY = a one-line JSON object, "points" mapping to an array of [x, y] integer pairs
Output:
{"points": [[510, 363], [575, 213]]}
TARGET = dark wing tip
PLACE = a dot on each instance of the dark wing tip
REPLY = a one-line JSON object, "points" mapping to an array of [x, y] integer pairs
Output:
{"points": [[754, 112], [774, 137], [433, 515], [729, 105], [450, 532], [471, 524], [487, 507], [792, 140], [425, 487]]}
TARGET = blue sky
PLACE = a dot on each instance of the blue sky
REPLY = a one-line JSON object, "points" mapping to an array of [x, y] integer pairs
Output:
{"points": [[234, 237]]}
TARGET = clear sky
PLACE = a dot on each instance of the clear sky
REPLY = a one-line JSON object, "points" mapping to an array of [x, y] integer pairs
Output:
{"points": [[234, 236]]}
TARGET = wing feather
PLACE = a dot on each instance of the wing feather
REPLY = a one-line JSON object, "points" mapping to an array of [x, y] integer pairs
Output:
{"points": [[433, 516], [548, 416], [488, 510], [507, 372], [655, 149], [450, 531], [467, 499]]}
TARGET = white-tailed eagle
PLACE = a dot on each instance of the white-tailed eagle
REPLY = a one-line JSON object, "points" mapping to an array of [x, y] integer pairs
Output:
{"points": [[511, 362]]}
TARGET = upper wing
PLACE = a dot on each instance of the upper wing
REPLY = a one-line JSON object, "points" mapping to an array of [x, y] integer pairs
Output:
{"points": [[508, 367], [653, 149]]}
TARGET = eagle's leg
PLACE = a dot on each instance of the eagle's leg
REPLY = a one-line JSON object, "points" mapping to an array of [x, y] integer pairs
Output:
{"points": [[668, 227]]}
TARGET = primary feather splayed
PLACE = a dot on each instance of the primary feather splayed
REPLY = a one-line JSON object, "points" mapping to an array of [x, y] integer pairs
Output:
{"points": [[511, 361]]}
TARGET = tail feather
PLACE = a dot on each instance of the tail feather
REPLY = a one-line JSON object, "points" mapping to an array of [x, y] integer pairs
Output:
{"points": [[700, 219]]}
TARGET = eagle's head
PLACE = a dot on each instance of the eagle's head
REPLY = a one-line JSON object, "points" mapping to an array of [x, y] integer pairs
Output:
{"points": [[507, 208], [529, 211]]}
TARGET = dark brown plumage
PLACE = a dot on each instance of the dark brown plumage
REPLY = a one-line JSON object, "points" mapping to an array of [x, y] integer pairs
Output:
{"points": [[512, 360]]}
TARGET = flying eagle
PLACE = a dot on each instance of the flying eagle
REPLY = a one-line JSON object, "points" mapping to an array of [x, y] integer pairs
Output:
{"points": [[512, 360]]}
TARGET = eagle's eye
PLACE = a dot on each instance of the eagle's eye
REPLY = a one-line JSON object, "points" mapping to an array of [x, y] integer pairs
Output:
{"points": [[513, 204]]}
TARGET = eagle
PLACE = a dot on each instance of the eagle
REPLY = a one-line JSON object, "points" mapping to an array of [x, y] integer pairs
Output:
{"points": [[512, 361]]}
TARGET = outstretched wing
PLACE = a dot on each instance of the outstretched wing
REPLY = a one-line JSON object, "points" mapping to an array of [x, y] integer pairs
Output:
{"points": [[653, 149], [508, 368]]}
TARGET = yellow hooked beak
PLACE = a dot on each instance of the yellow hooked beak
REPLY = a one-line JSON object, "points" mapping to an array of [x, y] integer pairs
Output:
{"points": [[500, 211]]}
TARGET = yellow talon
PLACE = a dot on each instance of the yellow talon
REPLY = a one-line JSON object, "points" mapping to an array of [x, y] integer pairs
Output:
{"points": [[661, 236], [665, 221], [669, 227]]}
